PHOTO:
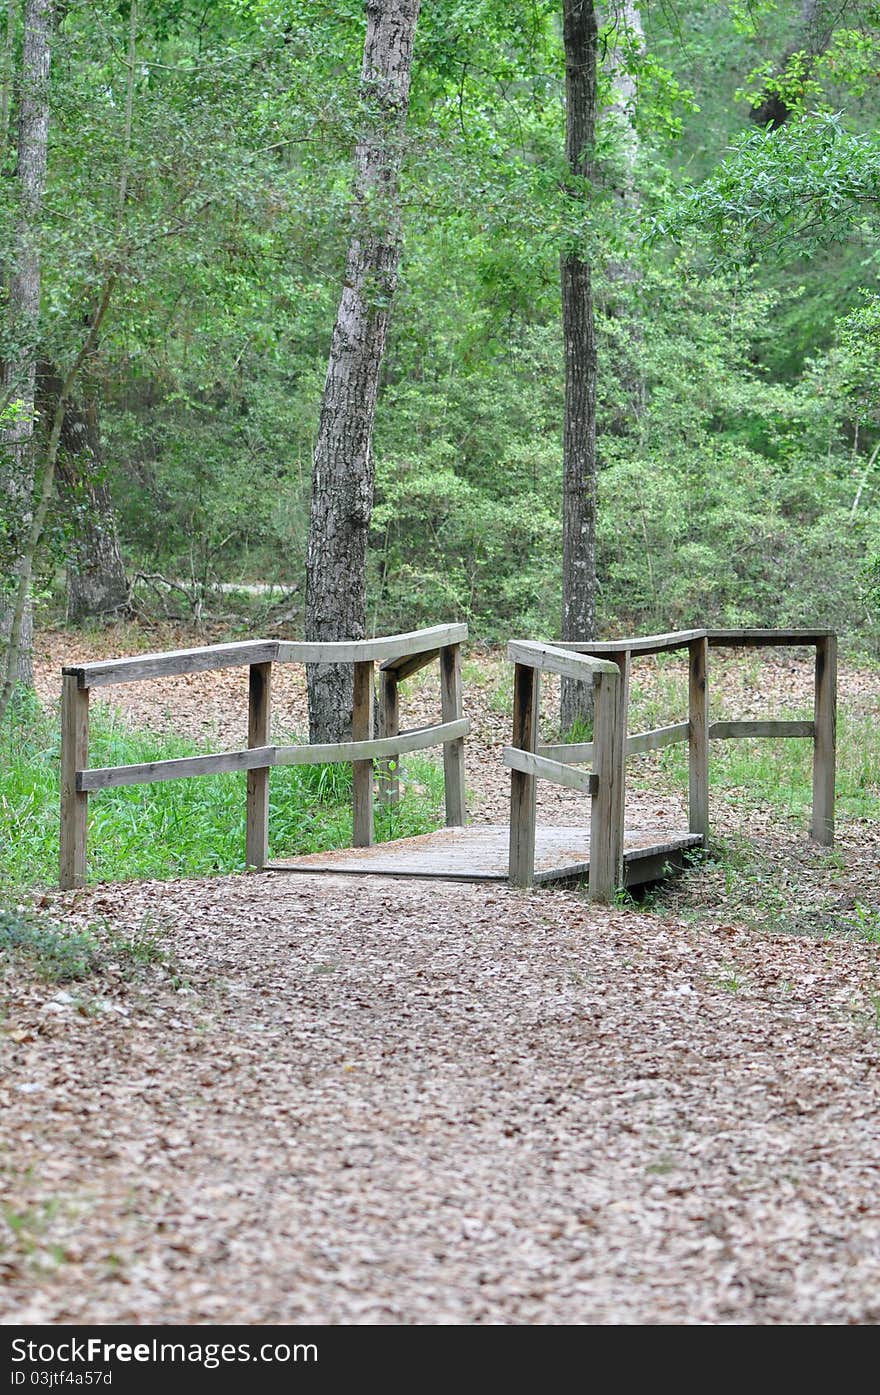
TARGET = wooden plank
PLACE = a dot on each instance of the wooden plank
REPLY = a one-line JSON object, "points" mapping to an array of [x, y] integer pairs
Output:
{"points": [[551, 659], [413, 739], [177, 661], [698, 737], [409, 664], [256, 651], [388, 768], [74, 801], [259, 724], [451, 710], [639, 644], [362, 770], [655, 740], [734, 731], [552, 770], [480, 853], [606, 847], [384, 647], [572, 753], [526, 706], [624, 667], [825, 741], [150, 772], [770, 638]]}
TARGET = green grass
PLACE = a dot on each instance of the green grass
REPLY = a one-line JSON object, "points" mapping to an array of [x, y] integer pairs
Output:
{"points": [[58, 955], [754, 773], [779, 773], [183, 827], [55, 956]]}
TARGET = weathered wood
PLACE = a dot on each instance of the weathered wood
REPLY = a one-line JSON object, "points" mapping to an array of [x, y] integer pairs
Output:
{"points": [[451, 710], [259, 723], [257, 651], [480, 853], [362, 770], [572, 753], [551, 659], [526, 707], [176, 661], [606, 847], [638, 644], [370, 650], [156, 771], [825, 740], [409, 664], [768, 638], [624, 666], [655, 740], [698, 736], [74, 801], [552, 770], [388, 768], [335, 752], [733, 731]]}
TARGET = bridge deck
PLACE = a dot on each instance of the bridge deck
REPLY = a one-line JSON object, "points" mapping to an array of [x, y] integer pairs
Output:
{"points": [[480, 853]]}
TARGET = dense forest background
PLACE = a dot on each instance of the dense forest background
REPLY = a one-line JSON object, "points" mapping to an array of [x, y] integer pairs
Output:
{"points": [[735, 268]]}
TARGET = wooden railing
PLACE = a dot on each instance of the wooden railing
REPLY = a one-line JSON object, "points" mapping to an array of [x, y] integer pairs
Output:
{"points": [[527, 766], [398, 656], [612, 742]]}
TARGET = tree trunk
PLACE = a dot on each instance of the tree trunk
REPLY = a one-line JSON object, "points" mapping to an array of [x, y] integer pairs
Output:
{"points": [[815, 27], [23, 311], [580, 34], [342, 483], [96, 581]]}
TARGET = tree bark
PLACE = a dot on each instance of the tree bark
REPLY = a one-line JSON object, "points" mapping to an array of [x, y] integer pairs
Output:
{"points": [[23, 311], [342, 482], [96, 581], [580, 35]]}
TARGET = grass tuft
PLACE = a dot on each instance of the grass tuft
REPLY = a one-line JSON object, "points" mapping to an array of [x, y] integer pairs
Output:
{"points": [[189, 827]]}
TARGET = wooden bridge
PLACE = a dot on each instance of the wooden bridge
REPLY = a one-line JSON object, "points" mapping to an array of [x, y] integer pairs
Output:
{"points": [[607, 854]]}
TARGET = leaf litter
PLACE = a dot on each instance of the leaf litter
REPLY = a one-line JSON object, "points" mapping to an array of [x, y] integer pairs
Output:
{"points": [[399, 1102]]}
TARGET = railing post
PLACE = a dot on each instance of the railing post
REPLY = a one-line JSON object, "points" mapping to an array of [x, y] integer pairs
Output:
{"points": [[362, 770], [523, 811], [624, 665], [259, 723], [606, 841], [824, 740], [698, 737], [389, 725], [74, 805], [451, 708]]}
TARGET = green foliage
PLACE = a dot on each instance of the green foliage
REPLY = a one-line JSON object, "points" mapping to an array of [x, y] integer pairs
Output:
{"points": [[788, 191], [54, 955], [181, 827], [738, 395]]}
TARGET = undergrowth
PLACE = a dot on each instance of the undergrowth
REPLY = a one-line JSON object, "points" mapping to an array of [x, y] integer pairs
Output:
{"points": [[191, 827], [55, 954]]}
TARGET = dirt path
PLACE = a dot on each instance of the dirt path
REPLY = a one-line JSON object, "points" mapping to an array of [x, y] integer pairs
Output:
{"points": [[292, 1099], [443, 1105]]}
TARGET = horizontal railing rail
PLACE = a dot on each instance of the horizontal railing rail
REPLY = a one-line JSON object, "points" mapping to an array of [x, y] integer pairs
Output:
{"points": [[398, 655], [698, 731], [527, 765], [417, 644]]}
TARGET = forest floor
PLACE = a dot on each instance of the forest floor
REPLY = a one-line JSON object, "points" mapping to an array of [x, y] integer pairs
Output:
{"points": [[283, 1098]]}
